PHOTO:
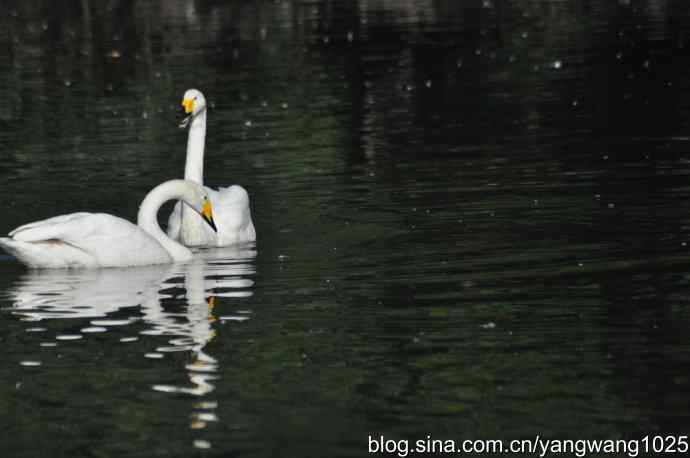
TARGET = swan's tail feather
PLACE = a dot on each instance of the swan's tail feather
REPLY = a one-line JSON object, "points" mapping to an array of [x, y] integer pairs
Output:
{"points": [[17, 250]]}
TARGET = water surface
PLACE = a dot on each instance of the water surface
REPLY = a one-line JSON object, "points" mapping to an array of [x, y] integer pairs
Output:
{"points": [[471, 216]]}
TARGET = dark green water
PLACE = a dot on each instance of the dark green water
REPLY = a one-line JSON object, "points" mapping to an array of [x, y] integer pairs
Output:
{"points": [[472, 222]]}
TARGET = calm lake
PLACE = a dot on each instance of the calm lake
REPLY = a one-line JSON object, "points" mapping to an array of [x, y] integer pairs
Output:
{"points": [[473, 222]]}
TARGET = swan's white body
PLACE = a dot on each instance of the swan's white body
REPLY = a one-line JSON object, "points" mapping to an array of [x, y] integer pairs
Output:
{"points": [[88, 240], [230, 212], [231, 205]]}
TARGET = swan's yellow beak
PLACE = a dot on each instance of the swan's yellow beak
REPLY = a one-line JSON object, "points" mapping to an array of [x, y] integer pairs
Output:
{"points": [[207, 213], [188, 105]]}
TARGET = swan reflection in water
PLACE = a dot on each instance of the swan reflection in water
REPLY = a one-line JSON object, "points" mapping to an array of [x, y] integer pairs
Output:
{"points": [[141, 294]]}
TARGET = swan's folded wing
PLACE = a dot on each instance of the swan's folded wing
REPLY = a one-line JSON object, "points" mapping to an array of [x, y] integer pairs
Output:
{"points": [[74, 228], [34, 230], [231, 208], [232, 215], [234, 195], [84, 240]]}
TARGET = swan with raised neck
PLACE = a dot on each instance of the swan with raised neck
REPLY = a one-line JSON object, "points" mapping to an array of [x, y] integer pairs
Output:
{"points": [[233, 214]]}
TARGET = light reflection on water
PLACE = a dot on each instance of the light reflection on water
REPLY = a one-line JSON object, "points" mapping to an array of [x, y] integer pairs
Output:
{"points": [[138, 295]]}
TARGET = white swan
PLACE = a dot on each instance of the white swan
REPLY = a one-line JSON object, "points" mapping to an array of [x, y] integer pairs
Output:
{"points": [[102, 240], [231, 205]]}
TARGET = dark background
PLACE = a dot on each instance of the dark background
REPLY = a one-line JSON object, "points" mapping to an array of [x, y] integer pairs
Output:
{"points": [[472, 220]]}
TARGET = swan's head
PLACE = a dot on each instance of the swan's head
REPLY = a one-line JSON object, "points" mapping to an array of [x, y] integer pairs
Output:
{"points": [[193, 103], [195, 195]]}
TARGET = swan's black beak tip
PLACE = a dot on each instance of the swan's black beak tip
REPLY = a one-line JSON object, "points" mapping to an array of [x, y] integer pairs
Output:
{"points": [[213, 225], [209, 220]]}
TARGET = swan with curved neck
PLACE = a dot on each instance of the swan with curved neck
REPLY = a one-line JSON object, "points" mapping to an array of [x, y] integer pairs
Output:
{"points": [[103, 240], [231, 204], [194, 104]]}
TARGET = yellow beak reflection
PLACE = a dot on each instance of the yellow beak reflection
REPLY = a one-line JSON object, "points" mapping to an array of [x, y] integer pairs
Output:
{"points": [[188, 105]]}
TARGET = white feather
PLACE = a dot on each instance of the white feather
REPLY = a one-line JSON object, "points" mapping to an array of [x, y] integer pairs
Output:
{"points": [[102, 240]]}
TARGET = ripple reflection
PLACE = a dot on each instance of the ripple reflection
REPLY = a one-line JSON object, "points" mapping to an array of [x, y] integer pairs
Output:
{"points": [[176, 302]]}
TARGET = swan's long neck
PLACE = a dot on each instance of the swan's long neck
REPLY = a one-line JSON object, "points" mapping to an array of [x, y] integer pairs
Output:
{"points": [[148, 215], [194, 166]]}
